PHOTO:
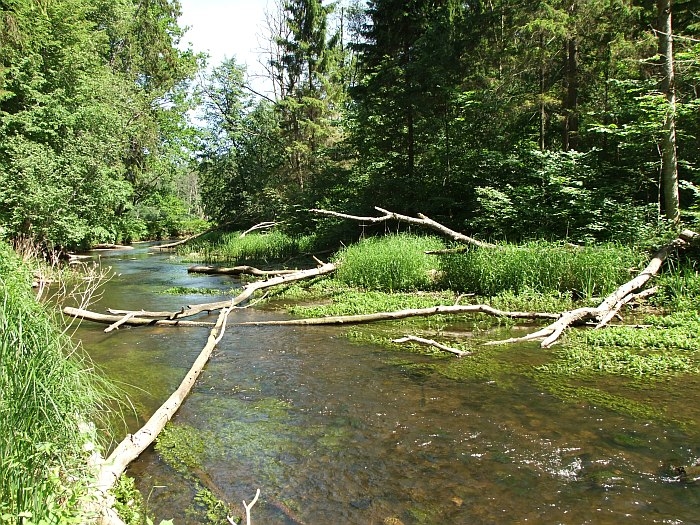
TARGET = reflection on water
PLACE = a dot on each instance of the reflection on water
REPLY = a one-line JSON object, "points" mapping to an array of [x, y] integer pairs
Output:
{"points": [[335, 432]]}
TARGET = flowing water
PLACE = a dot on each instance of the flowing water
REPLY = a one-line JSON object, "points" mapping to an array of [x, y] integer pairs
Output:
{"points": [[334, 432]]}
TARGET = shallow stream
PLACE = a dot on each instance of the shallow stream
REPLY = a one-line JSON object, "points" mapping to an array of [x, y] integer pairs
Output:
{"points": [[334, 432]]}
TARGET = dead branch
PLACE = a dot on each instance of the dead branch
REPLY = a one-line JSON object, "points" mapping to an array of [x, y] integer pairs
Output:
{"points": [[237, 270], [132, 320], [430, 342], [403, 314], [190, 238], [120, 322], [421, 220], [173, 318], [607, 309], [260, 226], [134, 444]]}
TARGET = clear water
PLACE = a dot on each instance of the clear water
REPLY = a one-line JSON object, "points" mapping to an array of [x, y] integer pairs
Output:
{"points": [[334, 432]]}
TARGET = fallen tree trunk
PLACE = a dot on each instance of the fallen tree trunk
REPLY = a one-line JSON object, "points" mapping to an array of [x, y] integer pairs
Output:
{"points": [[403, 314], [607, 309], [421, 220], [190, 238], [129, 318], [133, 445], [237, 270], [173, 318], [260, 226]]}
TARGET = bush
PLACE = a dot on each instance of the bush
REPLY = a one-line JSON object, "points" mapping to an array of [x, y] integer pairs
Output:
{"points": [[540, 267], [391, 263]]}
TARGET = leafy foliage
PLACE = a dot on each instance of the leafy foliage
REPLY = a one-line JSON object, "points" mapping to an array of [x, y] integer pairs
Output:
{"points": [[91, 116]]}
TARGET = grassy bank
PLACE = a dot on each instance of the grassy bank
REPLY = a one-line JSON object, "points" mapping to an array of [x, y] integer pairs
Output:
{"points": [[48, 394]]}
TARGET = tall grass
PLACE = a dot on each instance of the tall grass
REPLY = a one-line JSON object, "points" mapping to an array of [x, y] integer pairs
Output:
{"points": [[47, 393], [541, 267], [254, 247], [391, 263], [679, 289]]}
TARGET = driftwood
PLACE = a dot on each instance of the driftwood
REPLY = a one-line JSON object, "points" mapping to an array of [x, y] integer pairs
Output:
{"points": [[129, 318], [421, 220], [134, 444], [607, 309], [237, 270], [174, 318], [403, 314], [430, 342]]}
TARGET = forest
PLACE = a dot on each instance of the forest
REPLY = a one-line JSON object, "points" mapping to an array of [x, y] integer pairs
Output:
{"points": [[534, 160], [560, 120]]}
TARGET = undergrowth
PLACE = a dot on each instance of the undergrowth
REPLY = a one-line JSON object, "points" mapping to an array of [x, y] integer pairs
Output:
{"points": [[49, 394]]}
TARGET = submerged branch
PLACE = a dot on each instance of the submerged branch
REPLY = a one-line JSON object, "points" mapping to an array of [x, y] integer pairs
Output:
{"points": [[403, 314], [134, 444], [430, 342]]}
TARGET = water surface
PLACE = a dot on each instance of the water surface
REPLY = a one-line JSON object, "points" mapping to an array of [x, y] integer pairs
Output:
{"points": [[334, 432]]}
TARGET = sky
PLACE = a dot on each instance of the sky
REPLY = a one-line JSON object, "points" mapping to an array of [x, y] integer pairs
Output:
{"points": [[227, 29]]}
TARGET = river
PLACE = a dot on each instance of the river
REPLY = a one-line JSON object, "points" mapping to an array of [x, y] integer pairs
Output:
{"points": [[335, 432]]}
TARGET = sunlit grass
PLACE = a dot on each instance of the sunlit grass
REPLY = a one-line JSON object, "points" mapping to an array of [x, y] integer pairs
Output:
{"points": [[541, 267], [48, 392], [390, 263], [253, 248]]}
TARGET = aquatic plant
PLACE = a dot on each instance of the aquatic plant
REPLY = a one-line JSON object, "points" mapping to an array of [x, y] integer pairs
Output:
{"points": [[542, 267], [390, 263]]}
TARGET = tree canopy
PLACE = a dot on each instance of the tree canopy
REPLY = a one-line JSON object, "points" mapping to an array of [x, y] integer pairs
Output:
{"points": [[562, 119]]}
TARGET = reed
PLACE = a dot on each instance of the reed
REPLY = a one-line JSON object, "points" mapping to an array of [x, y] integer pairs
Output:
{"points": [[541, 267], [48, 393], [253, 248], [390, 263]]}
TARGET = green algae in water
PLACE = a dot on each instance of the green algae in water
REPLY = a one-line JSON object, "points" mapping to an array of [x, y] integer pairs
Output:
{"points": [[580, 360], [208, 506], [184, 447], [184, 290]]}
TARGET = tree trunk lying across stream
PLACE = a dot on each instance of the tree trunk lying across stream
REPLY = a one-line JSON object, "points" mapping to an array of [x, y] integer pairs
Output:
{"points": [[131, 447]]}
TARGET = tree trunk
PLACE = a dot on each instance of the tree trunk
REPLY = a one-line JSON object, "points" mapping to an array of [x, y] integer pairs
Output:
{"points": [[669, 160], [570, 129], [133, 445]]}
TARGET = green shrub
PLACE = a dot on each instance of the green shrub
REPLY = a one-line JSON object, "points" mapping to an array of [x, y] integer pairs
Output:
{"points": [[47, 395], [391, 263], [540, 267]]}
